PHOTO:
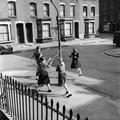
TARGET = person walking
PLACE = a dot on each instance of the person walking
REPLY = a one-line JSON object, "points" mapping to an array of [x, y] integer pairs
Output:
{"points": [[37, 54], [75, 64], [62, 74], [42, 73]]}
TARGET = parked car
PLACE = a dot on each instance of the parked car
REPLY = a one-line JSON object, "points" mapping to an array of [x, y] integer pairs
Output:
{"points": [[116, 38], [8, 49]]}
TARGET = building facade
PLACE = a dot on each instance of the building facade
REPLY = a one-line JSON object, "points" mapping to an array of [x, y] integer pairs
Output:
{"points": [[34, 21], [109, 15]]}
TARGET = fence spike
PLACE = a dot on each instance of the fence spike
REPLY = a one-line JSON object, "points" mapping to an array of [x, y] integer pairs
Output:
{"points": [[71, 113], [41, 98], [46, 101], [64, 109], [1, 75], [86, 118], [78, 116], [58, 105], [51, 102]]}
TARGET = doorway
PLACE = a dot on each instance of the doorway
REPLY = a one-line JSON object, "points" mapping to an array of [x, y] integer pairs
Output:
{"points": [[29, 32], [86, 28], [20, 33], [76, 24]]}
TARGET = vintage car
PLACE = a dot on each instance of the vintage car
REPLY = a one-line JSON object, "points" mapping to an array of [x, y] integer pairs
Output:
{"points": [[116, 38], [8, 49]]}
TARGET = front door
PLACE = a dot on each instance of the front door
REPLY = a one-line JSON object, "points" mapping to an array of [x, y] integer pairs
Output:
{"points": [[76, 30], [20, 33], [86, 28], [29, 32]]}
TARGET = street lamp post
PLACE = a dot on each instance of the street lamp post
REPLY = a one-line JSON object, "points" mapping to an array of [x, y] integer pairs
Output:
{"points": [[59, 41], [58, 29]]}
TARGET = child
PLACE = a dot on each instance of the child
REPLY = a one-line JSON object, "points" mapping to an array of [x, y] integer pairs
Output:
{"points": [[75, 61], [62, 74], [42, 73]]}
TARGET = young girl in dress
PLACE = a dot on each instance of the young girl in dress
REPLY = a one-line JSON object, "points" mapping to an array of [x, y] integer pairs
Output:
{"points": [[75, 64]]}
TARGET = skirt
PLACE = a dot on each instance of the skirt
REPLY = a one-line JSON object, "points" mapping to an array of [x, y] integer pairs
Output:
{"points": [[62, 77], [75, 64], [43, 77]]}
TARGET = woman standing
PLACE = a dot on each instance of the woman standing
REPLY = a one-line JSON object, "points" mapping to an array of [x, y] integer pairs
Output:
{"points": [[75, 64], [42, 73]]}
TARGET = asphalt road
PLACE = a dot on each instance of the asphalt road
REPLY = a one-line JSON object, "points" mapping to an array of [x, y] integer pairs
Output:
{"points": [[95, 64]]}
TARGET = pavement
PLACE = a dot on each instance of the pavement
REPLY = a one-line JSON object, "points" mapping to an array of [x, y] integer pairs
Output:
{"points": [[84, 100]]}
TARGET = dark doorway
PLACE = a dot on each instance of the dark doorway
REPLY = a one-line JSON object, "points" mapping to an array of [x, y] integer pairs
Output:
{"points": [[20, 33], [29, 32], [86, 28], [76, 30]]}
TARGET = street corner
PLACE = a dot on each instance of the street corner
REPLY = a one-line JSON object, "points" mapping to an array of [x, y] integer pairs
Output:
{"points": [[113, 52]]}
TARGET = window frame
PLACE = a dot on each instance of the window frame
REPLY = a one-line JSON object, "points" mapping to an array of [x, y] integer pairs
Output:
{"points": [[33, 9], [72, 10], [92, 11], [46, 11], [70, 30], [62, 10], [85, 11], [4, 33], [91, 27], [49, 35], [12, 8]]}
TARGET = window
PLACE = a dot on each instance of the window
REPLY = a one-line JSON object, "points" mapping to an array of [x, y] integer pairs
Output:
{"points": [[93, 11], [111, 5], [62, 10], [84, 11], [112, 16], [33, 9], [4, 33], [104, 17], [46, 10], [119, 15], [72, 11], [68, 29], [104, 5], [39, 30], [12, 8], [46, 30], [91, 27]]}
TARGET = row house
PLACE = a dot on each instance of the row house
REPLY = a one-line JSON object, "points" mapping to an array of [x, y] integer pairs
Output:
{"points": [[34, 21], [109, 15]]}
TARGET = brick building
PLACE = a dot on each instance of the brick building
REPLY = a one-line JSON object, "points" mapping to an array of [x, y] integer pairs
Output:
{"points": [[109, 15], [31, 21]]}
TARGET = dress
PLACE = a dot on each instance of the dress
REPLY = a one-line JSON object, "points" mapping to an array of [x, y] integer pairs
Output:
{"points": [[42, 73], [61, 73], [75, 60]]}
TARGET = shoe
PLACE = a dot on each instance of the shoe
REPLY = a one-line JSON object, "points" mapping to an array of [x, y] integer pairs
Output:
{"points": [[49, 90], [66, 93], [36, 77], [80, 74], [69, 95]]}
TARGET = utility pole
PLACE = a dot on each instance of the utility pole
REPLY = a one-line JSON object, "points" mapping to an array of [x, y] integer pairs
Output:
{"points": [[59, 40]]}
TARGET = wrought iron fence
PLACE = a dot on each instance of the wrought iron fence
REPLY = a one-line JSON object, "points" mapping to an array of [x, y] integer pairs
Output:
{"points": [[23, 103]]}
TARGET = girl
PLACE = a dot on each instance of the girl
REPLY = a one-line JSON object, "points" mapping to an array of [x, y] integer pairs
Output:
{"points": [[75, 64]]}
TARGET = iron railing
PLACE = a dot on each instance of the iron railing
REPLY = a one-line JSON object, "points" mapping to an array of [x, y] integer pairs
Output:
{"points": [[23, 103]]}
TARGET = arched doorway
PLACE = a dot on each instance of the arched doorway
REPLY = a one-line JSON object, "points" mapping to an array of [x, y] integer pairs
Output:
{"points": [[76, 24], [20, 33], [29, 32]]}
